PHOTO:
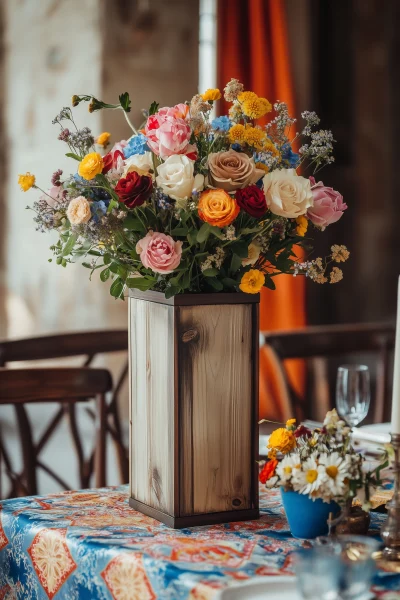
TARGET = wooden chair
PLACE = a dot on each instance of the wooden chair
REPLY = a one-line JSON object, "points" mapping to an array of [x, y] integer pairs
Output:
{"points": [[88, 344], [19, 387], [319, 343]]}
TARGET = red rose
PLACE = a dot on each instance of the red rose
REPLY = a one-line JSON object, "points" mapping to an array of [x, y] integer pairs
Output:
{"points": [[252, 200], [134, 189], [110, 160]]}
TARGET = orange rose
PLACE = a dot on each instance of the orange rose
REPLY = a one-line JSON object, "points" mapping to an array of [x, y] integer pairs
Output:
{"points": [[268, 470], [218, 208]]}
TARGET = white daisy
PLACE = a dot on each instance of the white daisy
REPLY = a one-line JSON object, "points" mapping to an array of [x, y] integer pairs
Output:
{"points": [[336, 472], [287, 466], [309, 478]]}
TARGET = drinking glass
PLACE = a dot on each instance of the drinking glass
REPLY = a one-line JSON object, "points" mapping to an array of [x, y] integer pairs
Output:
{"points": [[353, 393], [318, 573]]}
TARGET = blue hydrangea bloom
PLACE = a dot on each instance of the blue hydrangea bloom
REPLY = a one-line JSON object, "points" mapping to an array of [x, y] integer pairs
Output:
{"points": [[237, 147], [136, 145], [221, 123], [288, 155], [98, 208], [89, 190]]}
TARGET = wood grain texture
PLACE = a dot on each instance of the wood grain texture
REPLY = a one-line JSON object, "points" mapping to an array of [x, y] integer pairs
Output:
{"points": [[215, 389], [152, 403]]}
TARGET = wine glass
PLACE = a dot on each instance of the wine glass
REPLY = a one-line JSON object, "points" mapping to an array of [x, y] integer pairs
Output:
{"points": [[353, 393]]}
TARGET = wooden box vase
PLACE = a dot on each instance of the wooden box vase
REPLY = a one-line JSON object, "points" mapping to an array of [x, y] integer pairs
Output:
{"points": [[194, 407]]}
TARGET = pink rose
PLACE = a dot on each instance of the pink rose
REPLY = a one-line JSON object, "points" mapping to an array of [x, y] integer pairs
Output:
{"points": [[167, 134], [54, 196], [159, 252], [328, 205], [179, 111]]}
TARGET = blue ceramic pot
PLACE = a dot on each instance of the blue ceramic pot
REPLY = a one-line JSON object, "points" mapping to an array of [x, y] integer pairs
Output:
{"points": [[307, 518]]}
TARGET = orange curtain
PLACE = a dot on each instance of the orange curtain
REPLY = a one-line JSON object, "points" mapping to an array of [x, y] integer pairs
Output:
{"points": [[253, 47]]}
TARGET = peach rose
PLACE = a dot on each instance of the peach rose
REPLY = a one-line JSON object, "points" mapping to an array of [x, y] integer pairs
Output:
{"points": [[159, 252], [218, 208], [232, 170], [78, 211]]}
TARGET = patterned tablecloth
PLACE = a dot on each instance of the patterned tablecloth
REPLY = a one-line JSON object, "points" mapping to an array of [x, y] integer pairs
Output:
{"points": [[91, 545]]}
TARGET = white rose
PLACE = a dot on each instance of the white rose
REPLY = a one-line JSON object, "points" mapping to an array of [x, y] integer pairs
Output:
{"points": [[288, 194], [141, 163], [176, 177]]}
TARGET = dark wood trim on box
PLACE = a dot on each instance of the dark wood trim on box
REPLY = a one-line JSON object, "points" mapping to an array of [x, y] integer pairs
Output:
{"points": [[255, 394], [195, 520], [196, 299]]}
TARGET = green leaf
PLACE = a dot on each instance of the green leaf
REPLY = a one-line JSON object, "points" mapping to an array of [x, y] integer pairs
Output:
{"points": [[118, 270], [229, 282], [105, 274], [117, 288], [113, 204], [171, 291], [87, 265], [69, 245], [240, 248], [183, 231], [153, 108], [140, 283], [216, 231], [106, 259], [185, 283], [269, 283], [236, 263], [203, 233], [75, 156], [134, 255], [216, 284], [134, 224], [125, 102], [247, 230], [192, 237], [212, 272]]}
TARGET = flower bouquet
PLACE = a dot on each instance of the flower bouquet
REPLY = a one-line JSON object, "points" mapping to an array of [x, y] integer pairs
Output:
{"points": [[318, 472], [190, 204]]}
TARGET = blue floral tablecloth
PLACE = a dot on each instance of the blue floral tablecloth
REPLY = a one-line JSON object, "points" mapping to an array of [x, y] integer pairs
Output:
{"points": [[91, 545]]}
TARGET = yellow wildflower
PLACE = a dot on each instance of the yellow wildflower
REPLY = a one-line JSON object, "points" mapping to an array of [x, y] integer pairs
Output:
{"points": [[339, 253], [282, 440], [91, 165], [335, 275], [302, 225], [237, 134], [103, 139], [255, 108], [246, 96], [265, 106], [254, 137], [252, 281], [262, 166], [270, 147], [290, 423], [211, 95], [75, 100], [26, 181]]}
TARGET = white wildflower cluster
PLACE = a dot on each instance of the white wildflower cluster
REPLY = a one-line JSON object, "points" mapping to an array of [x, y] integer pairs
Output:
{"points": [[213, 260], [320, 148], [268, 158], [230, 233], [314, 269], [281, 124], [232, 90], [312, 120]]}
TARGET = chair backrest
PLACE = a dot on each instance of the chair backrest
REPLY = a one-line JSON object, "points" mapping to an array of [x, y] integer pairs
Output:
{"points": [[66, 386], [318, 343]]}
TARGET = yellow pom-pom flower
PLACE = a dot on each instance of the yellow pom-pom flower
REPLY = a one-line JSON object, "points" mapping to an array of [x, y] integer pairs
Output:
{"points": [[247, 96], [103, 139], [262, 166], [27, 181], [269, 146], [211, 95], [252, 281], [282, 440], [254, 137], [90, 166], [237, 134], [302, 225], [265, 106]]}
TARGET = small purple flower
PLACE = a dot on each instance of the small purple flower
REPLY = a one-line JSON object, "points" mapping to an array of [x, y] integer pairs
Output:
{"points": [[55, 179], [64, 135]]}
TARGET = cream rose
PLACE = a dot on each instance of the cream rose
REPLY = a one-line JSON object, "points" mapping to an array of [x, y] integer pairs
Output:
{"points": [[176, 177], [287, 194], [141, 163], [232, 170], [253, 253], [78, 211]]}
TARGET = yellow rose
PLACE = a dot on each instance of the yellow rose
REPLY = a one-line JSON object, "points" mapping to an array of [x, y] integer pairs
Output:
{"points": [[211, 94], [103, 139], [253, 252], [90, 166], [78, 211], [302, 225], [282, 440], [252, 281], [218, 208], [26, 182]]}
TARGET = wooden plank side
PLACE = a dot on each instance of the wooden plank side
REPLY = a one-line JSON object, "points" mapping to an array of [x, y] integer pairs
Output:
{"points": [[215, 360], [152, 382]]}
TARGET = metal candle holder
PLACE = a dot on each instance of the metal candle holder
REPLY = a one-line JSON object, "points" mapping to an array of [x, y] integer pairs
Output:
{"points": [[390, 531]]}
